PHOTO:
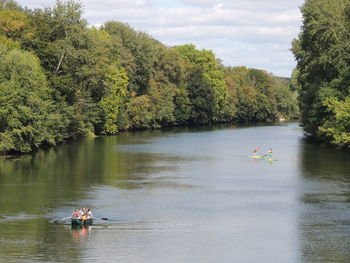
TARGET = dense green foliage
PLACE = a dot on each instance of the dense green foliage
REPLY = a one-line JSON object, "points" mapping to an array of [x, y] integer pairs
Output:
{"points": [[60, 79], [259, 96], [323, 71], [28, 117]]}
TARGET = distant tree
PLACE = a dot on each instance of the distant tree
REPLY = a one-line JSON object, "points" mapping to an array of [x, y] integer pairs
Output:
{"points": [[138, 54], [139, 112], [217, 101], [259, 96], [112, 104], [201, 96]]}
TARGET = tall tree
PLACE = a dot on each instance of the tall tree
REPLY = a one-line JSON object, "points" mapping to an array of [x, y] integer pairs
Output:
{"points": [[323, 55], [111, 106], [137, 54], [207, 65], [28, 117]]}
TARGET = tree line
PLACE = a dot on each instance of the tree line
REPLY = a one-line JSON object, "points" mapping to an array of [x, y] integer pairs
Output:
{"points": [[322, 76], [61, 79]]}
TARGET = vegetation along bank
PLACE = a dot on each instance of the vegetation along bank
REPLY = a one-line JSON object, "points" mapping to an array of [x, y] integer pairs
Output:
{"points": [[322, 75], [61, 80]]}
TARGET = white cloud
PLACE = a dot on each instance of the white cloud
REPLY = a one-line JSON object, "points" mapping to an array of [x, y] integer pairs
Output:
{"points": [[254, 33], [246, 4]]}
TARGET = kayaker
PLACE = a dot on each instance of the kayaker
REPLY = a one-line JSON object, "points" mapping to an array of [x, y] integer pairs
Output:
{"points": [[255, 151], [269, 153]]}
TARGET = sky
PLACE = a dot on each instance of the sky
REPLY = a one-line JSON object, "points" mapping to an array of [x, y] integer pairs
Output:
{"points": [[251, 33]]}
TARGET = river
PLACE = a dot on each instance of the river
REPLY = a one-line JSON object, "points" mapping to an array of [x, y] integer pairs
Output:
{"points": [[179, 195]]}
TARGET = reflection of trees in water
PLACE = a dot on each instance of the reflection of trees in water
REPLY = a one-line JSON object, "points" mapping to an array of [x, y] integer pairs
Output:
{"points": [[319, 162], [36, 240], [33, 186], [325, 202], [133, 162], [44, 180]]}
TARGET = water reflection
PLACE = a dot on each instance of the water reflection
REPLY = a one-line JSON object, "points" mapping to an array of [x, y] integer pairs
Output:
{"points": [[325, 202], [48, 179], [80, 233], [37, 189], [36, 240]]}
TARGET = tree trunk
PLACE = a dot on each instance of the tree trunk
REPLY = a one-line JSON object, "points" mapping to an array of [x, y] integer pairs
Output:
{"points": [[59, 64]]}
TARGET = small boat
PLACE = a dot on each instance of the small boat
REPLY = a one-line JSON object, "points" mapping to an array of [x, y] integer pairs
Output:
{"points": [[82, 222], [268, 158], [256, 156]]}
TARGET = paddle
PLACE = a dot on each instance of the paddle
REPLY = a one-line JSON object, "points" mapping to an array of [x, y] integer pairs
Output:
{"points": [[60, 220]]}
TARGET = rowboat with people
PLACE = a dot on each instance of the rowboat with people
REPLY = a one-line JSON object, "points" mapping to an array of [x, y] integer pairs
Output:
{"points": [[82, 217]]}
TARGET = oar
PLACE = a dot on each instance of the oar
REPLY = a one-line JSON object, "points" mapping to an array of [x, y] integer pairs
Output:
{"points": [[60, 220]]}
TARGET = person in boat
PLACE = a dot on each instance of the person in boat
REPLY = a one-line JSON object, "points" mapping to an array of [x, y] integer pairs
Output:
{"points": [[255, 151], [269, 153], [84, 213], [89, 214], [76, 213]]}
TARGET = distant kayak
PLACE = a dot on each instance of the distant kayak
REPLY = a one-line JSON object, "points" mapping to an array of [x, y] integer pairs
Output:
{"points": [[263, 158]]}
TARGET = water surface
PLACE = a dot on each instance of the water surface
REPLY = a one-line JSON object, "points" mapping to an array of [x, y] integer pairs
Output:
{"points": [[181, 195]]}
